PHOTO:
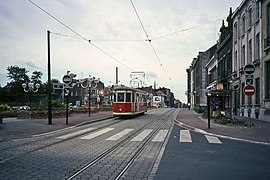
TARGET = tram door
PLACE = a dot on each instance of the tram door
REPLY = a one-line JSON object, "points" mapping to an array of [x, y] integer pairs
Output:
{"points": [[137, 102], [134, 105]]}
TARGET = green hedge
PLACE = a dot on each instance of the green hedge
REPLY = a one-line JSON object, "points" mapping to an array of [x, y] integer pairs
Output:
{"points": [[200, 109]]}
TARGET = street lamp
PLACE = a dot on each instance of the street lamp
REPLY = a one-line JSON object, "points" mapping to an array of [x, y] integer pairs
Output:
{"points": [[89, 81], [31, 88]]}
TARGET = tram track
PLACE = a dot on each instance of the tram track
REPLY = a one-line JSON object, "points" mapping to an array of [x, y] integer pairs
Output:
{"points": [[51, 143], [24, 148], [75, 157], [110, 152]]}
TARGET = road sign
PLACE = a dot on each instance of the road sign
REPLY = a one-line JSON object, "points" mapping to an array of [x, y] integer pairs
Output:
{"points": [[249, 69], [67, 79], [249, 81], [249, 76], [249, 90]]}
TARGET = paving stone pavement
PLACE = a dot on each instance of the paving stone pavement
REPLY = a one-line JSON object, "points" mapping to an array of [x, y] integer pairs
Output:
{"points": [[259, 133], [19, 128]]}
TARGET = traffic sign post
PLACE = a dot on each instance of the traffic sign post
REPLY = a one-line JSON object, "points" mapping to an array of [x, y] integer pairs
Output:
{"points": [[249, 90]]}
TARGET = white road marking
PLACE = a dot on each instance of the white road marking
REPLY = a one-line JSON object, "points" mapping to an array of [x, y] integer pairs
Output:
{"points": [[161, 135], [119, 135], [142, 135], [185, 136], [96, 134], [77, 133], [213, 140]]}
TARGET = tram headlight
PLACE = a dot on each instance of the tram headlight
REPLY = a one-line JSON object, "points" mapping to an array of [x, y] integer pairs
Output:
{"points": [[120, 109]]}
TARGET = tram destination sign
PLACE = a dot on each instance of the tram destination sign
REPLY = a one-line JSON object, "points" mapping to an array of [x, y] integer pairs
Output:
{"points": [[249, 69]]}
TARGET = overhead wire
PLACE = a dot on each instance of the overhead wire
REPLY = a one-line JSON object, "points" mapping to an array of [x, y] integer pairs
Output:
{"points": [[140, 20], [148, 39], [183, 30], [89, 41], [57, 19], [110, 55], [59, 34]]}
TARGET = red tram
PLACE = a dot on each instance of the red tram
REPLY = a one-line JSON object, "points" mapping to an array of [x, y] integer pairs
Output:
{"points": [[129, 101]]}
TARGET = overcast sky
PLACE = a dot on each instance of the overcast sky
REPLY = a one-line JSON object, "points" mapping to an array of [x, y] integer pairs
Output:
{"points": [[178, 30]]}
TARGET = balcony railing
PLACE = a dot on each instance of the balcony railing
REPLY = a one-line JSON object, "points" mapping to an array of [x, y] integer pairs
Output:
{"points": [[267, 43]]}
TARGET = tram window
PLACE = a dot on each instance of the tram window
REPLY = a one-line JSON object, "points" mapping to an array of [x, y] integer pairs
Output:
{"points": [[120, 97], [144, 99], [128, 97], [114, 97]]}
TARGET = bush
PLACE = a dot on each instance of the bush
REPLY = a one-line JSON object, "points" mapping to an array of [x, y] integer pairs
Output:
{"points": [[8, 114], [200, 109], [57, 103], [3, 107]]}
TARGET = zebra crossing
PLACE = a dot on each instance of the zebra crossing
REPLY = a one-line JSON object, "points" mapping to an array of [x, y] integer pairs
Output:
{"points": [[185, 136]]}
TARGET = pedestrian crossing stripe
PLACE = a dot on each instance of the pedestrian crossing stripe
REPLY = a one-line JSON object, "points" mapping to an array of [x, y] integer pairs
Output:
{"points": [[142, 135], [185, 136], [213, 140], [77, 133], [96, 134], [161, 135], [119, 135]]}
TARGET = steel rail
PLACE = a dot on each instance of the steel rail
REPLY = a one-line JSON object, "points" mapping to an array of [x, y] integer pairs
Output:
{"points": [[120, 144]]}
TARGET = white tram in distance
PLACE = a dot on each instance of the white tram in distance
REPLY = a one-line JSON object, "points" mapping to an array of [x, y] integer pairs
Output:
{"points": [[129, 101]]}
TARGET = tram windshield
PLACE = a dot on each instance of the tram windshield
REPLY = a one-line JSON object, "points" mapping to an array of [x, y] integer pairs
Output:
{"points": [[122, 97]]}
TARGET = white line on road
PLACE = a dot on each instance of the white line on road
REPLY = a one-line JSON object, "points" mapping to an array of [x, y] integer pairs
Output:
{"points": [[77, 133], [185, 136], [213, 140], [98, 133], [142, 135], [161, 135], [119, 135]]}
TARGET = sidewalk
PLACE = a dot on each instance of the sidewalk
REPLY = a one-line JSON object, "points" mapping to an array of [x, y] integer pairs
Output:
{"points": [[260, 132], [19, 128]]}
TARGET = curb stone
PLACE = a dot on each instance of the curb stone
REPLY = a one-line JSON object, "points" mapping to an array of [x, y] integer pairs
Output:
{"points": [[181, 124]]}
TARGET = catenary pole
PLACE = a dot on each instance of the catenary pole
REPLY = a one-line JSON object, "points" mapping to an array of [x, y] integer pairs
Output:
{"points": [[49, 82]]}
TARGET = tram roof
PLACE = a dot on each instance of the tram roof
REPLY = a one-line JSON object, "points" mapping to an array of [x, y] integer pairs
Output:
{"points": [[117, 88]]}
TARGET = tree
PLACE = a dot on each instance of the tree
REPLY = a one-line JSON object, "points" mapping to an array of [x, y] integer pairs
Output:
{"points": [[17, 74], [36, 77]]}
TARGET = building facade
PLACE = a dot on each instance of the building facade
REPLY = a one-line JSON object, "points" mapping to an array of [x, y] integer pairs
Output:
{"points": [[244, 41], [247, 50], [265, 61], [224, 67], [198, 78]]}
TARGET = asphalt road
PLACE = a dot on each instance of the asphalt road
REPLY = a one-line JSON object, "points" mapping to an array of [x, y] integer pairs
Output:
{"points": [[145, 147], [199, 159]]}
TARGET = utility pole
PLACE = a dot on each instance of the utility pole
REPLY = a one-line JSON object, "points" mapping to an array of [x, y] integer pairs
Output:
{"points": [[116, 82], [49, 82], [208, 109]]}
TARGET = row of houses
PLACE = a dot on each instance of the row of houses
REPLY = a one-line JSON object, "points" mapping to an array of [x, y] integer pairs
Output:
{"points": [[218, 76], [97, 92]]}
